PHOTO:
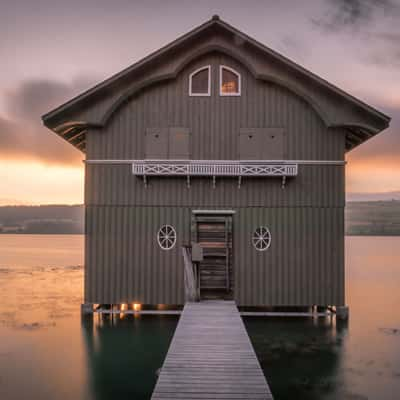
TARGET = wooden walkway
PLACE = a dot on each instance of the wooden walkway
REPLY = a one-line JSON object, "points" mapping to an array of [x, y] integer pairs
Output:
{"points": [[211, 357]]}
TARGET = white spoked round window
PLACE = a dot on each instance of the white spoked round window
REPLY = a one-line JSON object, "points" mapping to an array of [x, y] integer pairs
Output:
{"points": [[166, 237], [261, 238]]}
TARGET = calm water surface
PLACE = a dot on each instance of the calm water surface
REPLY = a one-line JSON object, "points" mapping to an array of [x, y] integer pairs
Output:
{"points": [[48, 352]]}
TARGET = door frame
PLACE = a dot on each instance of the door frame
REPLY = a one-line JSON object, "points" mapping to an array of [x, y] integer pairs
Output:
{"points": [[196, 216]]}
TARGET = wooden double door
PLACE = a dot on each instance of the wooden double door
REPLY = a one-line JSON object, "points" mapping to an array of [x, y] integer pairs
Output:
{"points": [[214, 234]]}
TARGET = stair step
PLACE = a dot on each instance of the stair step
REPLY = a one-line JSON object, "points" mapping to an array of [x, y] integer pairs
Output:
{"points": [[212, 273]]}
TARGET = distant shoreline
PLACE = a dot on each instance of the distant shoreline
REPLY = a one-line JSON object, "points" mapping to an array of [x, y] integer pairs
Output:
{"points": [[366, 218]]}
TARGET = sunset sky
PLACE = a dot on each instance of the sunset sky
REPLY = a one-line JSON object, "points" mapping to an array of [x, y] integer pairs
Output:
{"points": [[52, 50]]}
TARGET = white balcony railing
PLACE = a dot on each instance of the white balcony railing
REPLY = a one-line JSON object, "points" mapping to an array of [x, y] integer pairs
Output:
{"points": [[214, 169]]}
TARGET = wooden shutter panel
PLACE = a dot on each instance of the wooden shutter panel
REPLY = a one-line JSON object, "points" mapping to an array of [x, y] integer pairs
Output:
{"points": [[156, 143], [249, 144], [261, 144], [272, 144], [178, 143]]}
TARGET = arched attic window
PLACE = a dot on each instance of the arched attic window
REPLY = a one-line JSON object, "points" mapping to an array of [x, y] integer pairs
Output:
{"points": [[200, 82], [229, 81]]}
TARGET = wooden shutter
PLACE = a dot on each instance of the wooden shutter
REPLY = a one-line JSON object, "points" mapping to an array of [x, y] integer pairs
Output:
{"points": [[178, 143], [248, 144], [156, 143], [261, 144], [272, 144]]}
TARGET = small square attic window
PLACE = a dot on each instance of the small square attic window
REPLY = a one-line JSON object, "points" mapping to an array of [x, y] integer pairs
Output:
{"points": [[200, 82], [229, 81]]}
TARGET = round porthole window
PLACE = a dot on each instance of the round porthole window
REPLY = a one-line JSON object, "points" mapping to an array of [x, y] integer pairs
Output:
{"points": [[261, 238], [166, 237]]}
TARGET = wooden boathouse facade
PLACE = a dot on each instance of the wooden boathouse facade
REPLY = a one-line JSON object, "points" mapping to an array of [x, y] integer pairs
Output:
{"points": [[219, 142]]}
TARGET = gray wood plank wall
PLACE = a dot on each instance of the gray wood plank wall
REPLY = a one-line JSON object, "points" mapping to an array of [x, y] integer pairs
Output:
{"points": [[215, 121], [315, 186], [304, 264]]}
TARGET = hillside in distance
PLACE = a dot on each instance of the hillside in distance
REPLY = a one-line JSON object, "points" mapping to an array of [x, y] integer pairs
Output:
{"points": [[47, 219], [373, 218]]}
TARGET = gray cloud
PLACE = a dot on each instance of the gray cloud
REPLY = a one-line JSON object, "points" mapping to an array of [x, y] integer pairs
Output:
{"points": [[10, 138], [393, 38], [372, 24], [33, 98], [22, 134], [383, 58], [290, 44], [385, 49], [354, 14], [29, 140]]}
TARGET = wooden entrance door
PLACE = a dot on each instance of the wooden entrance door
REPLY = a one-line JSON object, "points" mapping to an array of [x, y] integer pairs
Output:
{"points": [[214, 234]]}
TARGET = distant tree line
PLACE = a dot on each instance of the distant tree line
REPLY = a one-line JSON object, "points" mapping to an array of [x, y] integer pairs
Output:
{"points": [[373, 218], [377, 218], [48, 219]]}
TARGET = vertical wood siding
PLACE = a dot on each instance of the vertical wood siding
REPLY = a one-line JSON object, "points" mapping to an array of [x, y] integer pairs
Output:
{"points": [[304, 263], [126, 264], [303, 266], [315, 186], [215, 121]]}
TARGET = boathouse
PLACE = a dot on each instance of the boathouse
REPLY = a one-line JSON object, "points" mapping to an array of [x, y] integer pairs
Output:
{"points": [[215, 148]]}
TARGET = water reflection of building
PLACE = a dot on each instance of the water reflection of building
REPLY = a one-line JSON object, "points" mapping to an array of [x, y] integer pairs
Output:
{"points": [[301, 355], [124, 353]]}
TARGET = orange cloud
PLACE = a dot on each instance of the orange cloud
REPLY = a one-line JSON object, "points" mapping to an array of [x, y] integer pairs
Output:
{"points": [[22, 135], [31, 182], [378, 174]]}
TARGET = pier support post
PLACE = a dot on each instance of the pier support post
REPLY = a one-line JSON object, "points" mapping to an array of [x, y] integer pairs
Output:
{"points": [[342, 312], [86, 308]]}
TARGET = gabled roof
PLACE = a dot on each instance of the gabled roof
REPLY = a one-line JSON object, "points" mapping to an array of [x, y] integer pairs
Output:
{"points": [[62, 122]]}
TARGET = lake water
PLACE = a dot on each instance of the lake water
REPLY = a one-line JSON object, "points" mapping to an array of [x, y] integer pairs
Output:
{"points": [[48, 352]]}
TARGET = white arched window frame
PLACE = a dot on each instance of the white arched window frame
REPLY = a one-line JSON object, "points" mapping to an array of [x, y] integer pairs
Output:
{"points": [[208, 93], [238, 93]]}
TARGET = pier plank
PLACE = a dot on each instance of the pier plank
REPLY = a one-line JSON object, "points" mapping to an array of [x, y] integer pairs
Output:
{"points": [[211, 357]]}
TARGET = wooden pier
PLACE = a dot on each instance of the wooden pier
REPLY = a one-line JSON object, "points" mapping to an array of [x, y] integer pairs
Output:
{"points": [[211, 357]]}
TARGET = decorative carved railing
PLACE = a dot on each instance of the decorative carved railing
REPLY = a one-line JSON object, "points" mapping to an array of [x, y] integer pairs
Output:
{"points": [[210, 169], [214, 169]]}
